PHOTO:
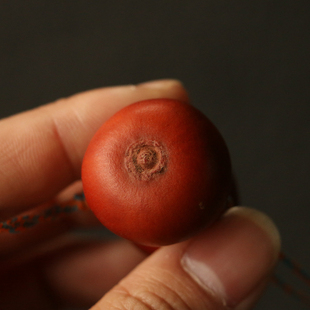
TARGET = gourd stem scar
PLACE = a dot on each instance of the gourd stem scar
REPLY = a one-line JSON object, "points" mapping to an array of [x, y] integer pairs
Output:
{"points": [[146, 159]]}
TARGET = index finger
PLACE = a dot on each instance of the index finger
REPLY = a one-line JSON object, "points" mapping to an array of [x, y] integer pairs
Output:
{"points": [[42, 150]]}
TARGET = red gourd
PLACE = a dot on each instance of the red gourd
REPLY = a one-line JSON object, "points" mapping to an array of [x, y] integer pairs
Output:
{"points": [[157, 172]]}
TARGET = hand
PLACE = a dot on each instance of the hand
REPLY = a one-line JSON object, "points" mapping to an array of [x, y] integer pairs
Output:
{"points": [[49, 267]]}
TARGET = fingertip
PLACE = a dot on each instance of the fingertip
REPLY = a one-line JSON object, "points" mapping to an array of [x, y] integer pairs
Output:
{"points": [[233, 256], [263, 221], [174, 87]]}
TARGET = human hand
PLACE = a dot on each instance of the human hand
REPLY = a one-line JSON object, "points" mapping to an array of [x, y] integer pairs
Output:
{"points": [[48, 267]]}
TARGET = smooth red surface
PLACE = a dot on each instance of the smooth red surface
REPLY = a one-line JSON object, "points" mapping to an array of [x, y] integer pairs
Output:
{"points": [[172, 206]]}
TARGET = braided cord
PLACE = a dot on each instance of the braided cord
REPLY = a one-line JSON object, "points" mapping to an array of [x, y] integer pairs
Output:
{"points": [[43, 213]]}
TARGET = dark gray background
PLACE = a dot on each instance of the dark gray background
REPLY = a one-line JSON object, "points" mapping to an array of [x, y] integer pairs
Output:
{"points": [[245, 64]]}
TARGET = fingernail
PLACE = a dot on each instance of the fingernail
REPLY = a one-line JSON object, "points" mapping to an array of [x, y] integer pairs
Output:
{"points": [[233, 256], [160, 84]]}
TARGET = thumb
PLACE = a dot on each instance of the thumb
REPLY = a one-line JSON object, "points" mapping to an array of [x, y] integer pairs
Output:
{"points": [[224, 266]]}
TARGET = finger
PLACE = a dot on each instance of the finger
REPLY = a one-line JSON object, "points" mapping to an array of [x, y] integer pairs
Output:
{"points": [[41, 150], [71, 270], [215, 270], [100, 265]]}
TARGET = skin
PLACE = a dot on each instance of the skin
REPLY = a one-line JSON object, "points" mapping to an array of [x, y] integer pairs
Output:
{"points": [[48, 267]]}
